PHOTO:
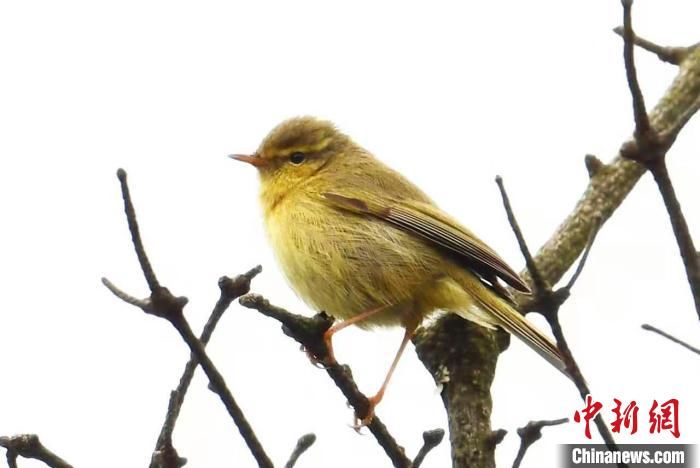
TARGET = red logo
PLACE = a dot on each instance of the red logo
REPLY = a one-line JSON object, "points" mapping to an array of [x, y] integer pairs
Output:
{"points": [[662, 417]]}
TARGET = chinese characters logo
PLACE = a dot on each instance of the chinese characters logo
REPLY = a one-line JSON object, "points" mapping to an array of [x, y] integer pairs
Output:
{"points": [[663, 417]]}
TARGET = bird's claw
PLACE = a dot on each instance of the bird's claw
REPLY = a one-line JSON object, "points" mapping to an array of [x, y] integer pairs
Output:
{"points": [[365, 421], [317, 362]]}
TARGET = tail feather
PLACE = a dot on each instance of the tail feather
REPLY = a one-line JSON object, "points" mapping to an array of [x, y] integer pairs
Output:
{"points": [[498, 312], [513, 322], [466, 296]]}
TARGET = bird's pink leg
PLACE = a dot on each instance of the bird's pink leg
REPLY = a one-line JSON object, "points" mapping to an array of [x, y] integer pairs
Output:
{"points": [[374, 400], [328, 335]]}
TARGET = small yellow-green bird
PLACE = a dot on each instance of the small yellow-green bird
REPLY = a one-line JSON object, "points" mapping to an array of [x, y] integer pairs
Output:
{"points": [[357, 240]]}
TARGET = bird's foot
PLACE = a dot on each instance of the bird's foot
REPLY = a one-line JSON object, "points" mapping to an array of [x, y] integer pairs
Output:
{"points": [[366, 420], [329, 359], [330, 355], [316, 362]]}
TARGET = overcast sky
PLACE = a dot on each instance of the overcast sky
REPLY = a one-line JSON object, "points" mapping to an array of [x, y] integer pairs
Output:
{"points": [[449, 93]]}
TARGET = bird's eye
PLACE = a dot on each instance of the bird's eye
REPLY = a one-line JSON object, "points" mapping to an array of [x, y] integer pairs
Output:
{"points": [[297, 158]]}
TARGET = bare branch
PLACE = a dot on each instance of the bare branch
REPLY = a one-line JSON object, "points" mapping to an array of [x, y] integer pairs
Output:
{"points": [[548, 302], [607, 191], [649, 149], [129, 299], [309, 333], [670, 337], [531, 433], [581, 262], [643, 127], [162, 303], [496, 437], [686, 246], [146, 267], [672, 55], [165, 455], [538, 281], [431, 439], [11, 456], [303, 444], [471, 369], [29, 446]]}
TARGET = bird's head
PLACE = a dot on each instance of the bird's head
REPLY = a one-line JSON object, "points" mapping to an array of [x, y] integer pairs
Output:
{"points": [[295, 150]]}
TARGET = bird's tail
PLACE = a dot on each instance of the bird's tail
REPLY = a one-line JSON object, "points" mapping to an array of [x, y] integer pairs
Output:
{"points": [[497, 311]]}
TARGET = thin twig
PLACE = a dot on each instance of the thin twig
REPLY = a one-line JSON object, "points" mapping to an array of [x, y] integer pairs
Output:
{"points": [[431, 439], [29, 446], [162, 303], [548, 303], [649, 149], [165, 455], [531, 433], [652, 328], [128, 298], [686, 246], [309, 333], [672, 55], [146, 267], [584, 257], [303, 444], [537, 278], [641, 118]]}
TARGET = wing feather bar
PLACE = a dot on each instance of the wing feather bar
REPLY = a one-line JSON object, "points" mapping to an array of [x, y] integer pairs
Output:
{"points": [[429, 227], [456, 241]]}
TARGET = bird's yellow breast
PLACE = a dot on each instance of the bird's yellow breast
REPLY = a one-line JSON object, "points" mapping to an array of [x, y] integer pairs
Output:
{"points": [[344, 264]]}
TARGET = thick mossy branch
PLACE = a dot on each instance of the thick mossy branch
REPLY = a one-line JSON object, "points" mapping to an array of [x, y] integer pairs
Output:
{"points": [[472, 367], [608, 188], [466, 374]]}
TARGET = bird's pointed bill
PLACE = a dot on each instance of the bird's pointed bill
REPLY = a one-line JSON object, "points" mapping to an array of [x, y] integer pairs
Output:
{"points": [[253, 160]]}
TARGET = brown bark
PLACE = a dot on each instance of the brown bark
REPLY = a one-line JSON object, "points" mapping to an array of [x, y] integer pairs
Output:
{"points": [[466, 371]]}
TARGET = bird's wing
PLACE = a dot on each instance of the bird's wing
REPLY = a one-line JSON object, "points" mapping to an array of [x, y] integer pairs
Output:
{"points": [[431, 224]]}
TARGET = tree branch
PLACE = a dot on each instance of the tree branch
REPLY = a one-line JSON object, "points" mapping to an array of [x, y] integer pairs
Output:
{"points": [[466, 372], [670, 337], [672, 55], [649, 148], [29, 446], [686, 246], [303, 444], [643, 127], [537, 279], [162, 303], [165, 455], [309, 333], [608, 188], [548, 303], [431, 439], [531, 433]]}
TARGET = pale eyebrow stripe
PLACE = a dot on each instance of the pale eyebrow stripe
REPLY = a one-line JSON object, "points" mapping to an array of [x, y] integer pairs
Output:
{"points": [[321, 145]]}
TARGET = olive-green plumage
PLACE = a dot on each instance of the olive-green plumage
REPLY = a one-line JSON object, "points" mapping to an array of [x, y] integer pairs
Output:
{"points": [[352, 235]]}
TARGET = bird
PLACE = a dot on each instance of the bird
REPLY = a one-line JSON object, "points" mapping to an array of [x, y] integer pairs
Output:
{"points": [[359, 241]]}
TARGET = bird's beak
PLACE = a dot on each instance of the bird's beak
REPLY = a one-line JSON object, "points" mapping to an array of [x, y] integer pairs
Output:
{"points": [[253, 160]]}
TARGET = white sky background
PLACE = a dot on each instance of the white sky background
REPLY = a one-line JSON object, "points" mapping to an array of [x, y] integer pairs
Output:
{"points": [[450, 94]]}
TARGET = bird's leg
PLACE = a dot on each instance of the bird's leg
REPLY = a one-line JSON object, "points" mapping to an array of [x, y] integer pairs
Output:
{"points": [[374, 400], [328, 335]]}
